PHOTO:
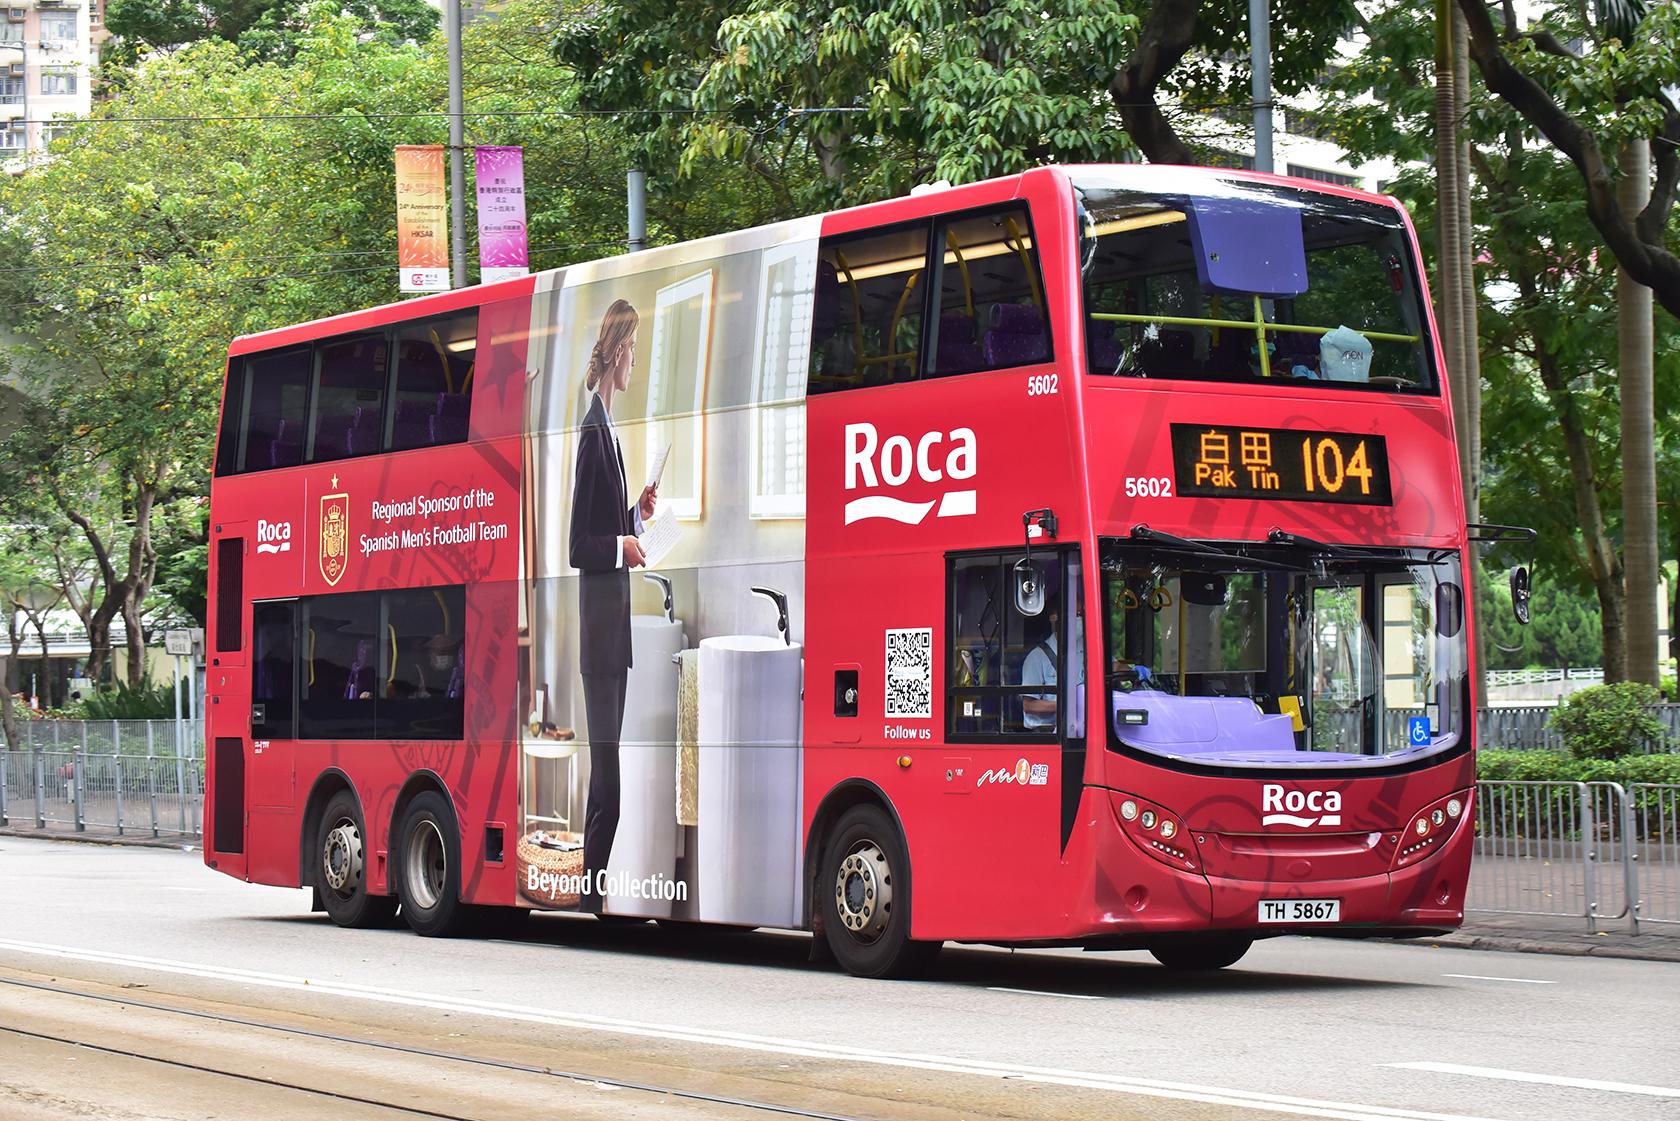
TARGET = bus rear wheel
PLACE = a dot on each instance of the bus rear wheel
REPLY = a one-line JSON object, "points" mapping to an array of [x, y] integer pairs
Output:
{"points": [[1203, 953], [341, 867], [864, 891], [428, 865]]}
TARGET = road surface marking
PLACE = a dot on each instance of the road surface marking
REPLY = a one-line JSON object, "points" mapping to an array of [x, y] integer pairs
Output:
{"points": [[1041, 992], [579, 1021], [1513, 980], [1545, 1079]]}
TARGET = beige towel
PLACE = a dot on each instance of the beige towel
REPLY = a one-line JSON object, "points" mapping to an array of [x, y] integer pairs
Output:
{"points": [[688, 738]]}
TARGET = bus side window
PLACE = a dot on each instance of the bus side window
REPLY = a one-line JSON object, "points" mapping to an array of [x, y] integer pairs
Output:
{"points": [[265, 412], [435, 363], [991, 297], [349, 397], [867, 324], [1003, 673]]}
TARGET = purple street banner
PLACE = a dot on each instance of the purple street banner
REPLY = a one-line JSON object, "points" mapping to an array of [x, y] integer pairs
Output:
{"points": [[501, 214]]}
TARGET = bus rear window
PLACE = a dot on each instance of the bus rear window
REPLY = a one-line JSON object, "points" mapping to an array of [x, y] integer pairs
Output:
{"points": [[1240, 281]]}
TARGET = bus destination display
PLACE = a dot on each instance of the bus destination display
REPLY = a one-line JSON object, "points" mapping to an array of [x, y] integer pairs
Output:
{"points": [[1296, 465]]}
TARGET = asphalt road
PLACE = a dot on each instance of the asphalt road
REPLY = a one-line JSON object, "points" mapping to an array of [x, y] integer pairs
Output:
{"points": [[134, 983]]}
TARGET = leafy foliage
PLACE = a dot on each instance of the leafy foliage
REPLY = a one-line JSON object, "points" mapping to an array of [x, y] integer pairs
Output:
{"points": [[1610, 721], [145, 700], [268, 29]]}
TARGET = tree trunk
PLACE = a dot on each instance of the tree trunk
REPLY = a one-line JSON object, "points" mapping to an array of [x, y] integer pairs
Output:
{"points": [[1604, 565], [136, 643], [1449, 255], [8, 719], [1639, 466], [44, 697]]}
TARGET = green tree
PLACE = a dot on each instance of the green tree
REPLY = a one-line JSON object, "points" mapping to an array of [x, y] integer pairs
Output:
{"points": [[270, 29], [885, 93]]}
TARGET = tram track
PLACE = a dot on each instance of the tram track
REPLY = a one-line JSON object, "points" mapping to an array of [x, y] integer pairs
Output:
{"points": [[746, 1106]]}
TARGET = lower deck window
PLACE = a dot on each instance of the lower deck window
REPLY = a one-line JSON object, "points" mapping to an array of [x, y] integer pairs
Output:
{"points": [[364, 665]]}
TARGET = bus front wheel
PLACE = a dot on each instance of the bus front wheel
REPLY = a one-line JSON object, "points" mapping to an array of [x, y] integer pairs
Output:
{"points": [[428, 863], [341, 867], [864, 891], [1202, 953]]}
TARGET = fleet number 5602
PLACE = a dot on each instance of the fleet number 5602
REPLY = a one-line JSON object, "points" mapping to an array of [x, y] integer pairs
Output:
{"points": [[1149, 486], [1041, 385]]}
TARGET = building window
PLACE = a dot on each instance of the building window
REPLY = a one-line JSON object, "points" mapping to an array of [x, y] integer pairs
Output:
{"points": [[13, 138], [58, 27], [1301, 171], [11, 90], [682, 332], [1236, 161], [58, 82], [779, 365]]}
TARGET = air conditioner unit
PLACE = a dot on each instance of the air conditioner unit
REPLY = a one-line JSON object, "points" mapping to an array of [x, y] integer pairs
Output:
{"points": [[16, 15], [15, 70]]}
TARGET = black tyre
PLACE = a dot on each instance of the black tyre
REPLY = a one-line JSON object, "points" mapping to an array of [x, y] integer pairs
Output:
{"points": [[428, 868], [1203, 953], [863, 887], [340, 867]]}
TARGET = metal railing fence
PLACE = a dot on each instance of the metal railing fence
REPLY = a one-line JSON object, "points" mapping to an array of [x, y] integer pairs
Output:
{"points": [[1527, 728], [156, 795], [121, 737]]}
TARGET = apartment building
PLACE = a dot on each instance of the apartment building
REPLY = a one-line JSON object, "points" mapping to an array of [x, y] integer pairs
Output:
{"points": [[48, 53]]}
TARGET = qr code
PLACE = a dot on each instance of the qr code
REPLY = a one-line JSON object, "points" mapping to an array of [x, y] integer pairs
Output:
{"points": [[910, 673]]}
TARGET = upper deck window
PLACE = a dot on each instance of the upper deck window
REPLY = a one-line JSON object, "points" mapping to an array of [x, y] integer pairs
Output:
{"points": [[1236, 281], [878, 320], [346, 396]]}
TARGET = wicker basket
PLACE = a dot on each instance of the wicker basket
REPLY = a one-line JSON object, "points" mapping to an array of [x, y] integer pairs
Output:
{"points": [[557, 862]]}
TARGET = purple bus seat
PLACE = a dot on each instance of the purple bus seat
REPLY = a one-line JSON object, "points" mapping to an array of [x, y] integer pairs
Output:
{"points": [[363, 436], [453, 404], [412, 427], [957, 350], [447, 429], [1203, 726], [332, 435], [280, 452], [1106, 351], [1016, 337], [361, 672]]}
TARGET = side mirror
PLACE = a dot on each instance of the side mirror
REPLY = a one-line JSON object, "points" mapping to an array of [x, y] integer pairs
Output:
{"points": [[1449, 609], [1029, 589], [1521, 590]]}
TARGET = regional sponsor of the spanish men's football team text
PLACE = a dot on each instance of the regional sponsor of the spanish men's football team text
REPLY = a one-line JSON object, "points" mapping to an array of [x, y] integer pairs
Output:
{"points": [[434, 520]]}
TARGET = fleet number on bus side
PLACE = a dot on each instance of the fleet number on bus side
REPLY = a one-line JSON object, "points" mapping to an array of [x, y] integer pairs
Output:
{"points": [[1152, 486], [1041, 385]]}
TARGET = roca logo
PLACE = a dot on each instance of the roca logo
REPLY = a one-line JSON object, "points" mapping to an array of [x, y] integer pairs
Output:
{"points": [[1286, 807], [933, 458], [274, 537]]}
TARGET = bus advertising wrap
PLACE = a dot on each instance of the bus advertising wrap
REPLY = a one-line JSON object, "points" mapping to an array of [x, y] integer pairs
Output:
{"points": [[661, 704]]}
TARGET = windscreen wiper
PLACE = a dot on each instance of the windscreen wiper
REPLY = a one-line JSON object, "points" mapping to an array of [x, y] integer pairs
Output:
{"points": [[1170, 542], [1312, 545]]}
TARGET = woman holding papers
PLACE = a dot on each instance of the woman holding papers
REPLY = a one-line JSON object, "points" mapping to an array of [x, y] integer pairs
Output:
{"points": [[604, 549]]}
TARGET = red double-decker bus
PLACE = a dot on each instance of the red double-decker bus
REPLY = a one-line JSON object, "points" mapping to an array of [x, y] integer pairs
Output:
{"points": [[1075, 558]]}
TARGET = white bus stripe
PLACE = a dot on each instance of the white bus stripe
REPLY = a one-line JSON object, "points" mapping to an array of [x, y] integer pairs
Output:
{"points": [[1513, 980]]}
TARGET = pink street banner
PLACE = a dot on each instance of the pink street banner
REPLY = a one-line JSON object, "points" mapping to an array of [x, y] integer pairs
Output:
{"points": [[422, 219], [501, 214]]}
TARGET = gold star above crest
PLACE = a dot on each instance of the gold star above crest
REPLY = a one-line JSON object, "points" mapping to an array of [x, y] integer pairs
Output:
{"points": [[335, 482]]}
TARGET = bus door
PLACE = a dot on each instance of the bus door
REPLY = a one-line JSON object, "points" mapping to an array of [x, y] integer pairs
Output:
{"points": [[227, 700]]}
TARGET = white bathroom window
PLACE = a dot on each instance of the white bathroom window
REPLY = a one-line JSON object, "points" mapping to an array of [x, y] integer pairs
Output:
{"points": [[682, 332], [779, 374]]}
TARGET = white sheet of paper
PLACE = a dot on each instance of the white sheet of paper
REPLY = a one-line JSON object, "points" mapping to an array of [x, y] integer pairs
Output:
{"points": [[659, 537], [659, 466]]}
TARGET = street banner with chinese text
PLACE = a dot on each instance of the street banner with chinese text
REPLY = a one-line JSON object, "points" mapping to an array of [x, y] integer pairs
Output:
{"points": [[502, 244]]}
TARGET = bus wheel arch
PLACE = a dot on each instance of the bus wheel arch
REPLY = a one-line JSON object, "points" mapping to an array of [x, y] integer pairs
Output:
{"points": [[858, 860], [334, 855]]}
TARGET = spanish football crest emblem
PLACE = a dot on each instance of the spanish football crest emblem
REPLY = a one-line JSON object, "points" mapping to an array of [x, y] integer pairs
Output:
{"points": [[335, 534]]}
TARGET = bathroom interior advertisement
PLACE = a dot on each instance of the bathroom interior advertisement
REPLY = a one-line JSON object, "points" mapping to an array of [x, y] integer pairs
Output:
{"points": [[662, 589]]}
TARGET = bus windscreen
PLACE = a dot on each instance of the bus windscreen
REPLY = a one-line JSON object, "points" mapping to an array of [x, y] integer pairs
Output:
{"points": [[1232, 280], [1263, 657]]}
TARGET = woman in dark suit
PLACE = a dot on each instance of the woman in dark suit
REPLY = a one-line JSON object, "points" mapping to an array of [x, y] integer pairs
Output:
{"points": [[604, 549]]}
